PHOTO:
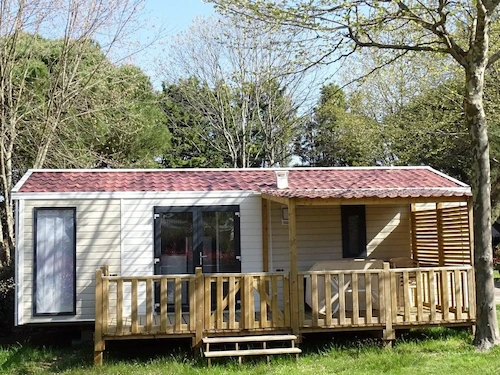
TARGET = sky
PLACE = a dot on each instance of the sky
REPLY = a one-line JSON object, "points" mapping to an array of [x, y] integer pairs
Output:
{"points": [[172, 17], [178, 14]]}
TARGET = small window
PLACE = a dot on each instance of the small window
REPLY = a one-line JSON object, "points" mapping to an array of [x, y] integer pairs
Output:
{"points": [[55, 253], [353, 231]]}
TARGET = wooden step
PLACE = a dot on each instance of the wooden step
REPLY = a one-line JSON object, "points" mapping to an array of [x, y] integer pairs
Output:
{"points": [[222, 340], [288, 342], [245, 352]]}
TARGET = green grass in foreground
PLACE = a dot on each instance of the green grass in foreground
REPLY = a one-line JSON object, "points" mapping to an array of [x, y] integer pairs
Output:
{"points": [[431, 351]]}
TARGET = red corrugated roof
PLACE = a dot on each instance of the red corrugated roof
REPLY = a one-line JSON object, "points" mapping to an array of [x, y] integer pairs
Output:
{"points": [[305, 183]]}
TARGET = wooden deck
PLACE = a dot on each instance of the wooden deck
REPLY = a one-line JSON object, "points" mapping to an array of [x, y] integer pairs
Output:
{"points": [[204, 305]]}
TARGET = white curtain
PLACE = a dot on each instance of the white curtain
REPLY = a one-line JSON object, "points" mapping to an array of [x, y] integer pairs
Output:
{"points": [[55, 261]]}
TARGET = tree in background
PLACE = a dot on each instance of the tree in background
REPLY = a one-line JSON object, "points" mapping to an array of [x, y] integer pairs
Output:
{"points": [[59, 92], [430, 130], [192, 142], [383, 88], [236, 82], [461, 30], [338, 135]]}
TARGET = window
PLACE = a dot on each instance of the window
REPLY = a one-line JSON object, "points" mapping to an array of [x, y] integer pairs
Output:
{"points": [[353, 231], [55, 253]]}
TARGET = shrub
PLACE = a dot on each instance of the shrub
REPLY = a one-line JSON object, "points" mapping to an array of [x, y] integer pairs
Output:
{"points": [[7, 292], [496, 257]]}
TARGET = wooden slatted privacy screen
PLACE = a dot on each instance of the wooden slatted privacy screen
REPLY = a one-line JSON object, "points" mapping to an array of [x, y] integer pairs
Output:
{"points": [[440, 237], [425, 237], [455, 232]]}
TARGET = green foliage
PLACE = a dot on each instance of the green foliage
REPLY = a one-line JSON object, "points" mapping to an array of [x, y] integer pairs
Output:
{"points": [[7, 291], [431, 130], [192, 141], [227, 126], [339, 135], [112, 120]]}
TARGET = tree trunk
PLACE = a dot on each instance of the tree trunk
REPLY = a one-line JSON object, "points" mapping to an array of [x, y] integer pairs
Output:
{"points": [[487, 334], [10, 240], [4, 252]]}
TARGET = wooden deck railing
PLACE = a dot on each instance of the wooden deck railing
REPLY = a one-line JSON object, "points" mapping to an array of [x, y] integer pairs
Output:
{"points": [[380, 297], [342, 298], [128, 304], [432, 295], [201, 304], [246, 301]]}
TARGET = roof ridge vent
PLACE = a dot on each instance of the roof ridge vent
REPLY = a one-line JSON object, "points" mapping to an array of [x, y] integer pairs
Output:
{"points": [[281, 179]]}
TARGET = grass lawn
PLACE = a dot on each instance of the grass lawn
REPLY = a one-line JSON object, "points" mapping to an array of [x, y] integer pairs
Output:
{"points": [[431, 351]]}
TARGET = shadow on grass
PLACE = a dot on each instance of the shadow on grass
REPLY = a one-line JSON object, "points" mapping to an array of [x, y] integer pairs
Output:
{"points": [[15, 357], [318, 343], [29, 358], [144, 351], [435, 333]]}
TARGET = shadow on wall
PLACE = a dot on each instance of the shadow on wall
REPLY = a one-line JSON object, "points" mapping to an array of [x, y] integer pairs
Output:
{"points": [[387, 232]]}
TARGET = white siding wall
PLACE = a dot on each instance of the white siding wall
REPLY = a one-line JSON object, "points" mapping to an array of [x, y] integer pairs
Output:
{"points": [[97, 243], [319, 234], [120, 233], [388, 231]]}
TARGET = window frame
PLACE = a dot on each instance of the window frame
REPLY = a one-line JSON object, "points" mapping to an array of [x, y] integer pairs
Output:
{"points": [[35, 243], [346, 212]]}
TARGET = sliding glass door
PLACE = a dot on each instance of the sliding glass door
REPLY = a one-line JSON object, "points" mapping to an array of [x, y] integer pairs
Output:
{"points": [[200, 236]]}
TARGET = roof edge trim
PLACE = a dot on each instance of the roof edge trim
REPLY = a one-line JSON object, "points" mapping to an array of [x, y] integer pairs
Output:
{"points": [[134, 194], [21, 182], [448, 177], [228, 169]]}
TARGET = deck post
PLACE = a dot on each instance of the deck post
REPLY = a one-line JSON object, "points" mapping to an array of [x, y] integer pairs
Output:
{"points": [[470, 211], [294, 290], [265, 235], [200, 308], [99, 342], [470, 274], [413, 227], [388, 335], [439, 218]]}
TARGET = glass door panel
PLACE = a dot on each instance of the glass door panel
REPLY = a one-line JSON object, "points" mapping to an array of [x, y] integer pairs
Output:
{"points": [[174, 251], [176, 243], [220, 252]]}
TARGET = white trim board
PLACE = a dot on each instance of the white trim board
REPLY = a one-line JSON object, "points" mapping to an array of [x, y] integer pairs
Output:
{"points": [[228, 169], [449, 177], [137, 194], [22, 181], [19, 270]]}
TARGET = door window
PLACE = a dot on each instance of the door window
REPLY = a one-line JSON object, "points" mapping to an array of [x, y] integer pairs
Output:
{"points": [[55, 247], [176, 239], [219, 242]]}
